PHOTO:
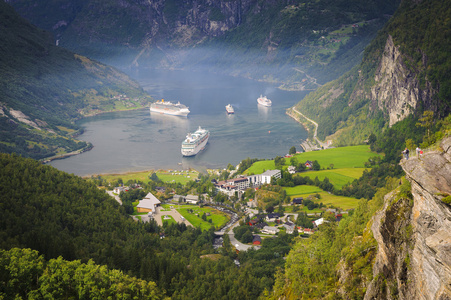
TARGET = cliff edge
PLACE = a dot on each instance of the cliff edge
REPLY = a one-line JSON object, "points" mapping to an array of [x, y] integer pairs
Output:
{"points": [[413, 232]]}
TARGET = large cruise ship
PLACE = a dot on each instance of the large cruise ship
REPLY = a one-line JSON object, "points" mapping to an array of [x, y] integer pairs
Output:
{"points": [[169, 108], [264, 101], [195, 142]]}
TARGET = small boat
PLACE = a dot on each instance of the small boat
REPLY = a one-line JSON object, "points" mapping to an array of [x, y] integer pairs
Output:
{"points": [[229, 109], [264, 101]]}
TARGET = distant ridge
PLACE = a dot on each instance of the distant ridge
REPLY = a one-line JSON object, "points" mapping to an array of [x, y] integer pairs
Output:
{"points": [[45, 88]]}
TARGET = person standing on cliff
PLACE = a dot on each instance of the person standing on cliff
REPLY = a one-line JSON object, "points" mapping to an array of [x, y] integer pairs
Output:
{"points": [[406, 153], [418, 151]]}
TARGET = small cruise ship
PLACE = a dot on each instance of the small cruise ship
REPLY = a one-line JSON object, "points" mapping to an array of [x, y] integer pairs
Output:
{"points": [[229, 109], [195, 142], [262, 100]]}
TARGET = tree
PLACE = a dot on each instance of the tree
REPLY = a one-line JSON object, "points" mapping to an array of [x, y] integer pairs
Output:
{"points": [[372, 139], [316, 165], [292, 150], [426, 121], [154, 177], [410, 144], [269, 209]]}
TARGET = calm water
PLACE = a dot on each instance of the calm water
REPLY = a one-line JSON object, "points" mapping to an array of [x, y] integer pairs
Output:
{"points": [[140, 140]]}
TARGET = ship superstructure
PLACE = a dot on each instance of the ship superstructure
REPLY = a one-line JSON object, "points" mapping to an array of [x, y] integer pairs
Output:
{"points": [[169, 108], [229, 109], [262, 100], [195, 142]]}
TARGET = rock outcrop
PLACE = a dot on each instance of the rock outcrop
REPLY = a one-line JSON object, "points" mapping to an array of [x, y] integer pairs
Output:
{"points": [[414, 235], [397, 89]]}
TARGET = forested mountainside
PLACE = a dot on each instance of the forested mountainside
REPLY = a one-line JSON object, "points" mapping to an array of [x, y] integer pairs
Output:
{"points": [[299, 43], [394, 246], [58, 214], [405, 71], [45, 88]]}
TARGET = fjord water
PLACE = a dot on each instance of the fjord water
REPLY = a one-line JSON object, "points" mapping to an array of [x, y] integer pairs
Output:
{"points": [[140, 140]]}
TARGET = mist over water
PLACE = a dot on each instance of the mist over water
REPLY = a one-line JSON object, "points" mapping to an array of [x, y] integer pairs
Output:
{"points": [[140, 140]]}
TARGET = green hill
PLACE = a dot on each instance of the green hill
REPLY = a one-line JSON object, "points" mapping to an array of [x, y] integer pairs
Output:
{"points": [[45, 88], [404, 71], [58, 214]]}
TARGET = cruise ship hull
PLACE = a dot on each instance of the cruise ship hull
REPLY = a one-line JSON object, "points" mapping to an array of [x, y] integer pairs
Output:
{"points": [[195, 142], [264, 101], [170, 112], [168, 108]]}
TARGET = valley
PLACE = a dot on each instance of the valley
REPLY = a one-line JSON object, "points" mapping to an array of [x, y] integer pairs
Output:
{"points": [[249, 217]]}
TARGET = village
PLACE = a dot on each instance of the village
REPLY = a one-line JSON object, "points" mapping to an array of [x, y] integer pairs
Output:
{"points": [[187, 209]]}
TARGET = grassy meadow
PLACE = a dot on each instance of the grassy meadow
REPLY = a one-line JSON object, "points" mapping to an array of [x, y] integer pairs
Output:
{"points": [[340, 165], [341, 158], [163, 175], [326, 198], [338, 177], [218, 218]]}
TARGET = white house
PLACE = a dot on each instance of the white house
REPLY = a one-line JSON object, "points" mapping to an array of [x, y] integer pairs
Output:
{"points": [[266, 176], [148, 204], [318, 222], [270, 230], [289, 227], [119, 189], [192, 199], [256, 180], [291, 169]]}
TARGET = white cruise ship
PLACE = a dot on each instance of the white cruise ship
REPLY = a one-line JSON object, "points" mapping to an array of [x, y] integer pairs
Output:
{"points": [[264, 101], [229, 109], [195, 142], [169, 108]]}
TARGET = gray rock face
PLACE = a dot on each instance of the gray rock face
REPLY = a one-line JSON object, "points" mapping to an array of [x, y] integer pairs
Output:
{"points": [[397, 89], [417, 264]]}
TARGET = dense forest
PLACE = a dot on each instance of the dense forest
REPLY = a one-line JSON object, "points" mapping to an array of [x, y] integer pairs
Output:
{"points": [[62, 215]]}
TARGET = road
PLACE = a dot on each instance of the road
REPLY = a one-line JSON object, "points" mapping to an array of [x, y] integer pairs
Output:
{"points": [[115, 196], [324, 145]]}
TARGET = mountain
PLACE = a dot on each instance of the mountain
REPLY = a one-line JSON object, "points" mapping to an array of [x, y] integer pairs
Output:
{"points": [[46, 88], [394, 246], [405, 71], [299, 44]]}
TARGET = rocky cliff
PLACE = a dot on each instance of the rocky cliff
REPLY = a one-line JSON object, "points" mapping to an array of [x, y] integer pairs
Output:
{"points": [[397, 89], [413, 232]]}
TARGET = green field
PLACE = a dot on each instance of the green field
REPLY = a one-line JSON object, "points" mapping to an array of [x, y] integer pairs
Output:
{"points": [[343, 157], [338, 177], [163, 175], [218, 218], [326, 198], [260, 167]]}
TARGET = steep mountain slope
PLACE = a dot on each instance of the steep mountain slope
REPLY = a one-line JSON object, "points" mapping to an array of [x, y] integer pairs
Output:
{"points": [[405, 71], [45, 88], [275, 40], [413, 260], [394, 246]]}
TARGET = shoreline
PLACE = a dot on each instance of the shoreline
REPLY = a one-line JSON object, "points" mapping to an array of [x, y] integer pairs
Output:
{"points": [[307, 145], [80, 132]]}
